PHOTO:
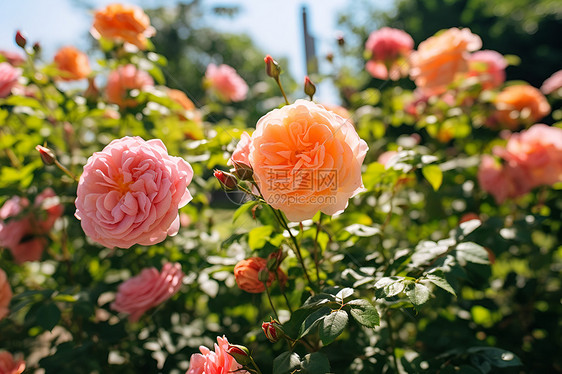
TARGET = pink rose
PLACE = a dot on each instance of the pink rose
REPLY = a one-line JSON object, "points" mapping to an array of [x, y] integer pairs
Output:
{"points": [[552, 84], [502, 181], [305, 159], [539, 151], [240, 154], [23, 232], [5, 298], [124, 79], [130, 193], [13, 58], [12, 231], [28, 250], [439, 58], [226, 83], [389, 49], [9, 76], [10, 364], [148, 289], [217, 362], [489, 67]]}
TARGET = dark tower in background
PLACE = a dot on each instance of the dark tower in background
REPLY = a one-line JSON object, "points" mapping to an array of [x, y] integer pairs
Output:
{"points": [[309, 48]]}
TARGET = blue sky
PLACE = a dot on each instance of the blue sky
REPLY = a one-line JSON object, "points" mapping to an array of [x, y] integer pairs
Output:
{"points": [[274, 25]]}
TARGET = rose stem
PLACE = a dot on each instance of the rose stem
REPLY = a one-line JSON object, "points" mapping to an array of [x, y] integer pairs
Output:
{"points": [[282, 90], [283, 292], [270, 301]]}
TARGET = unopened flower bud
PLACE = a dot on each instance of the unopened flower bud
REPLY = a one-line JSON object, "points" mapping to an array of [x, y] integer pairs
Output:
{"points": [[47, 155], [274, 260], [263, 275], [243, 171], [330, 57], [20, 39], [309, 87], [227, 180], [92, 92], [341, 40], [272, 68], [36, 47], [272, 330], [240, 353]]}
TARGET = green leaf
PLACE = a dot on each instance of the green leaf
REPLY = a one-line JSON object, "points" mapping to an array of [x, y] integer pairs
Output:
{"points": [[496, 356], [332, 326], [318, 300], [286, 363], [364, 312], [417, 293], [472, 252], [434, 175], [440, 281], [243, 209], [315, 363], [259, 236], [313, 319], [48, 316]]}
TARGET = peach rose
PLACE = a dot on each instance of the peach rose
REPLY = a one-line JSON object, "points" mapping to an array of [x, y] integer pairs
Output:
{"points": [[226, 83], [130, 193], [518, 105], [9, 76], [389, 48], [72, 63], [124, 79], [189, 109], [439, 58], [539, 151], [23, 233], [246, 274], [552, 84], [340, 111], [305, 159], [148, 289], [12, 58], [217, 362], [502, 181], [242, 151], [489, 67], [5, 296], [126, 23], [10, 364]]}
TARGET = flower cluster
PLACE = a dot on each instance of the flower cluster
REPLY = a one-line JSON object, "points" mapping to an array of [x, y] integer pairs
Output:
{"points": [[531, 158]]}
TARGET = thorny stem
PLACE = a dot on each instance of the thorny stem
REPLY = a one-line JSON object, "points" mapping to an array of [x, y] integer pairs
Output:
{"points": [[270, 301], [297, 251], [65, 170], [283, 292], [391, 338], [282, 90], [316, 247]]}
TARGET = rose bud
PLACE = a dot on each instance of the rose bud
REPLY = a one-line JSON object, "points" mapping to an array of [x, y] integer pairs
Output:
{"points": [[227, 180], [274, 259], [272, 330], [36, 47], [272, 68], [309, 87], [20, 39], [47, 155], [240, 353], [341, 40]]}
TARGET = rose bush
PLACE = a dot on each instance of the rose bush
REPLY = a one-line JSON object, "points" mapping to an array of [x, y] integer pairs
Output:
{"points": [[421, 237]]}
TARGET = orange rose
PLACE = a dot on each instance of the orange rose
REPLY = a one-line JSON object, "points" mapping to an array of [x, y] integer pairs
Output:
{"points": [[339, 110], [5, 294], [439, 58], [190, 111], [72, 63], [521, 104], [305, 159], [246, 274], [10, 364], [126, 23]]}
